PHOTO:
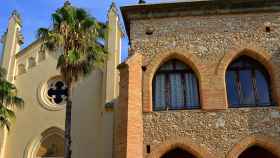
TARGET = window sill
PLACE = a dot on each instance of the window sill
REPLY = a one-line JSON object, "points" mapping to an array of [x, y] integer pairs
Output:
{"points": [[177, 109], [251, 106]]}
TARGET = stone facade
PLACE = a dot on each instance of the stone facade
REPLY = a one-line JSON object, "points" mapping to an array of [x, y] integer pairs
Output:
{"points": [[217, 132], [207, 37], [207, 41], [197, 36]]}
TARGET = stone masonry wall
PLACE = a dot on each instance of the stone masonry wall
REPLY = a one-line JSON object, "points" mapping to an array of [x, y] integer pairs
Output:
{"points": [[218, 132], [209, 39]]}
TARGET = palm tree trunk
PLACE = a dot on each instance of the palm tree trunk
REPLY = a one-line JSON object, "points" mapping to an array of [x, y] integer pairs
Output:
{"points": [[67, 139]]}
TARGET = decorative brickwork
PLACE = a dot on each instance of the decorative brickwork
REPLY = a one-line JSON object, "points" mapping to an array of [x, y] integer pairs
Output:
{"points": [[182, 143], [155, 63], [259, 55], [266, 142]]}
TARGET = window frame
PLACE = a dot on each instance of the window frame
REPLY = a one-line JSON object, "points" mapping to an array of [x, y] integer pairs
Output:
{"points": [[167, 74], [253, 68]]}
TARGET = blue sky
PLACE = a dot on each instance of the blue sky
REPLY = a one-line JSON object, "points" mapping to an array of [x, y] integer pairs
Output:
{"points": [[36, 14]]}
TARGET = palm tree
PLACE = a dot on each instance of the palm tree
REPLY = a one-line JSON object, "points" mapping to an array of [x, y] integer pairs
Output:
{"points": [[8, 101], [78, 39]]}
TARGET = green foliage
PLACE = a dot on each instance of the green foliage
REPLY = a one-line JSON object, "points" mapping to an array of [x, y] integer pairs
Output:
{"points": [[8, 101], [77, 37], [73, 56]]}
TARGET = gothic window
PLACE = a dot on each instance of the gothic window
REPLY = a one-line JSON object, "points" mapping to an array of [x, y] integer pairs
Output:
{"points": [[257, 152], [41, 55], [57, 91], [175, 86], [178, 153], [31, 62], [21, 69], [51, 146], [248, 83]]}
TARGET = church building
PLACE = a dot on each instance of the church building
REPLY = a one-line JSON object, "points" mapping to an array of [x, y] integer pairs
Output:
{"points": [[202, 80]]}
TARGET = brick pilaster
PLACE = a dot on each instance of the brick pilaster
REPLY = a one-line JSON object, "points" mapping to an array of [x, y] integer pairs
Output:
{"points": [[129, 123]]}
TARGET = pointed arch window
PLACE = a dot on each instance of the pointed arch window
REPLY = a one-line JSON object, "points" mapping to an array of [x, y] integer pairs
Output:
{"points": [[41, 55], [248, 83], [21, 69], [256, 152], [175, 86], [177, 152], [31, 62], [51, 145]]}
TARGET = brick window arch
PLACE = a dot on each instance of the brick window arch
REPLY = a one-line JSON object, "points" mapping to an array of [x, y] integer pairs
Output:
{"points": [[257, 152], [248, 83], [178, 152], [175, 86], [257, 141], [186, 144]]}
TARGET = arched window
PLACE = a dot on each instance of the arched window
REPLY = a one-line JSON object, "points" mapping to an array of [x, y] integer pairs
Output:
{"points": [[41, 55], [175, 86], [52, 145], [21, 69], [31, 62], [177, 152], [257, 152], [248, 83]]}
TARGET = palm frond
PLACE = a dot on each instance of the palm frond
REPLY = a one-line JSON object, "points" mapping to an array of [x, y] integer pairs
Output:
{"points": [[15, 102], [8, 101], [81, 14], [42, 33], [88, 23], [7, 116], [3, 73], [57, 19], [68, 14], [60, 61], [81, 39]]}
